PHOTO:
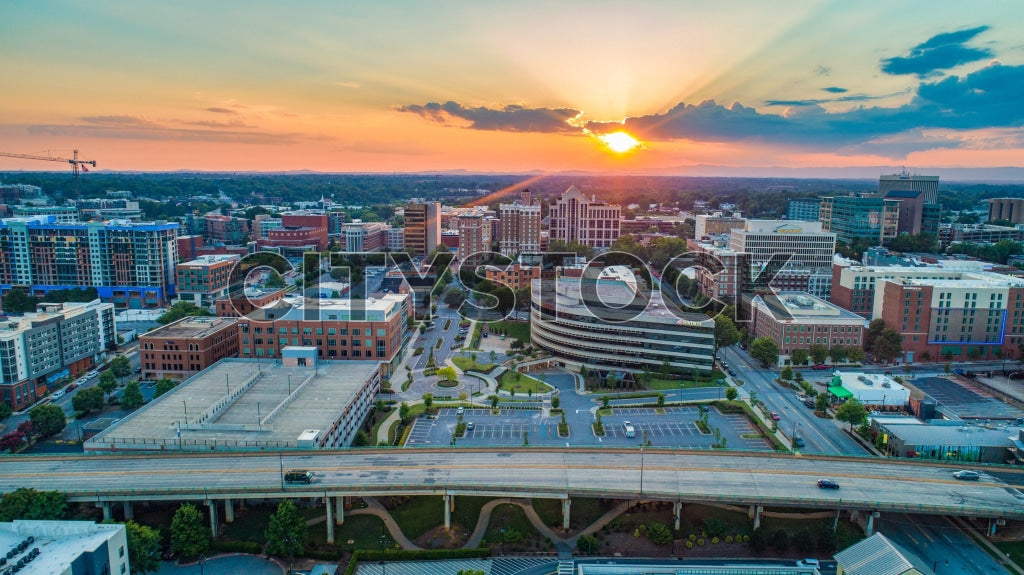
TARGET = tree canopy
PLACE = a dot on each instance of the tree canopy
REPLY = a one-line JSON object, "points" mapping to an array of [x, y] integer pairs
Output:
{"points": [[190, 537], [27, 503], [49, 419], [763, 349], [143, 548], [852, 412], [179, 310], [286, 531]]}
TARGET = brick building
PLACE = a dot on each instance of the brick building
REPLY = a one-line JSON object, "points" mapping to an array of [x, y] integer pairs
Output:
{"points": [[575, 218], [205, 279], [515, 277], [243, 302], [798, 320], [185, 347]]}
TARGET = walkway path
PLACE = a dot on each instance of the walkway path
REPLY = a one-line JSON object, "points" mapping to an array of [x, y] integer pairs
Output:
{"points": [[374, 507]]}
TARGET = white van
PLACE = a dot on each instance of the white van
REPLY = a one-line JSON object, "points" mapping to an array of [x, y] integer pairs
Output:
{"points": [[630, 430]]}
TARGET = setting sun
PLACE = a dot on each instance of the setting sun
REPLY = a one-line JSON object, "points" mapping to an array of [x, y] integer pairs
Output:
{"points": [[619, 142]]}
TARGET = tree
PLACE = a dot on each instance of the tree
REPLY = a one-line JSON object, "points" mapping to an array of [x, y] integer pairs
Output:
{"points": [[804, 541], [555, 402], [361, 439], [189, 535], [164, 385], [855, 354], [726, 333], [108, 382], [27, 503], [787, 373], [143, 547], [286, 531], [17, 301], [821, 402], [888, 345], [86, 400], [274, 281], [403, 412], [453, 297], [49, 419], [838, 354], [731, 394], [132, 396], [780, 540], [799, 356], [758, 540], [428, 400], [659, 534], [447, 373], [819, 353], [874, 330], [5, 411], [494, 401], [764, 350], [179, 310], [12, 441], [121, 366], [852, 412]]}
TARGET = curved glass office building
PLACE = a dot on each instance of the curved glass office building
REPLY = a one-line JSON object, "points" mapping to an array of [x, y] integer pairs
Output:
{"points": [[608, 323]]}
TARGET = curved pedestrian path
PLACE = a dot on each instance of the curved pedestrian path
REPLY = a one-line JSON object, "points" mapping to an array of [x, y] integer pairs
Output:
{"points": [[563, 544]]}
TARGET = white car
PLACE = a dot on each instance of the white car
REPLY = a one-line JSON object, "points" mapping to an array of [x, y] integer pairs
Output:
{"points": [[808, 563], [57, 394]]}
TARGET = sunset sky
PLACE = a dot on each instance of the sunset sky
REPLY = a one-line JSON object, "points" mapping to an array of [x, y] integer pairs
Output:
{"points": [[512, 86]]}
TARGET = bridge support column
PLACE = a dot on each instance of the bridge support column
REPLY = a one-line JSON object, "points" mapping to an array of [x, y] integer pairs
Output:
{"points": [[229, 511], [565, 513], [330, 519], [128, 513], [991, 527], [869, 524], [854, 515], [448, 512], [105, 506], [213, 516], [757, 515], [677, 513], [339, 510]]}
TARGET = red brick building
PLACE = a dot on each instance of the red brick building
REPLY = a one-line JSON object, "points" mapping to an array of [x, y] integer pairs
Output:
{"points": [[515, 277], [299, 230], [237, 304], [185, 347]]}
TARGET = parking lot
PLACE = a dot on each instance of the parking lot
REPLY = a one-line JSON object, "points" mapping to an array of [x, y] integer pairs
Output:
{"points": [[662, 427]]}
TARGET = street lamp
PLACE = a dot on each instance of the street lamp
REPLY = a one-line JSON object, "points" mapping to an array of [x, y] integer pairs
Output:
{"points": [[641, 471], [792, 438]]}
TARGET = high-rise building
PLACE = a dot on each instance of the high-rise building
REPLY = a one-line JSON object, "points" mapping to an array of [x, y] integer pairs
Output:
{"points": [[808, 245], [904, 181], [359, 236], [127, 262], [853, 218], [575, 218], [474, 235], [520, 228], [803, 209], [60, 340], [422, 227], [225, 229], [707, 225]]}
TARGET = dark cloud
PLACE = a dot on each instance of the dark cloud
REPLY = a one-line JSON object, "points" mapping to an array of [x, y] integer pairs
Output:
{"points": [[940, 52], [835, 89], [136, 128], [823, 71], [511, 118], [217, 110], [818, 101], [986, 98]]}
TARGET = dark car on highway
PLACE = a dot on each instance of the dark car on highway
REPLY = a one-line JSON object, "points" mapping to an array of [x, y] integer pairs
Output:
{"points": [[827, 484]]}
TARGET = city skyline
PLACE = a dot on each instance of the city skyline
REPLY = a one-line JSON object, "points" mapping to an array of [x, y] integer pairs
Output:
{"points": [[638, 88]]}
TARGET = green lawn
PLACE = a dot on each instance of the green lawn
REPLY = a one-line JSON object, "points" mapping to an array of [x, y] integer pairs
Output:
{"points": [[363, 530], [419, 515], [523, 384], [516, 329], [249, 524], [467, 364], [1015, 549], [582, 511], [659, 384], [514, 523]]}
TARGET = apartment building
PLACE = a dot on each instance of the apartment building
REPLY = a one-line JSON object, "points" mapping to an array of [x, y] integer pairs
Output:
{"points": [[132, 264], [474, 235], [60, 340], [519, 227], [809, 246], [515, 276], [575, 218], [187, 346]]}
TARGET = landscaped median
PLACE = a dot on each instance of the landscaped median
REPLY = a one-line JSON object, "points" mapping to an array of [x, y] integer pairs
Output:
{"points": [[515, 382]]}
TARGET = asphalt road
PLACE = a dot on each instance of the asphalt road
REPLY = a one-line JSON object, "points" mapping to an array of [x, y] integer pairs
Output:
{"points": [[821, 436], [868, 484], [447, 336], [939, 541]]}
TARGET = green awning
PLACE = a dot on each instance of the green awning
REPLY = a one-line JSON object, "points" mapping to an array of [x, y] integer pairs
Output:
{"points": [[840, 391]]}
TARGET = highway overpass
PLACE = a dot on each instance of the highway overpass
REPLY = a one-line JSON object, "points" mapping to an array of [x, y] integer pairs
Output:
{"points": [[757, 480]]}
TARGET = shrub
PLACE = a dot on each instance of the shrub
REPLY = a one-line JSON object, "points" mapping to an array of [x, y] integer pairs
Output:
{"points": [[692, 537], [250, 547], [728, 539], [586, 544], [659, 534], [715, 527], [689, 544], [715, 540], [780, 540], [700, 542]]}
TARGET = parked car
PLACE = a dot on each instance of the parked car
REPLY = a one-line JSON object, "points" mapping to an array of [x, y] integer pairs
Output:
{"points": [[774, 416], [967, 475], [71, 386], [828, 484], [820, 366], [630, 430], [470, 425], [808, 563], [57, 394], [809, 402], [732, 372]]}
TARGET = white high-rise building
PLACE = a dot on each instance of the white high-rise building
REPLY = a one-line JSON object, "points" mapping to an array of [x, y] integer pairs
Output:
{"points": [[576, 218]]}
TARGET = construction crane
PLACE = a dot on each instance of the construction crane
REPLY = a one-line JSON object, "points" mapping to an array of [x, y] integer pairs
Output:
{"points": [[76, 164]]}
